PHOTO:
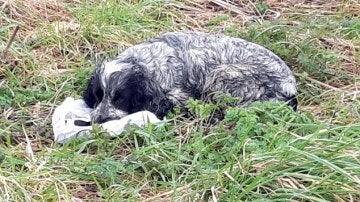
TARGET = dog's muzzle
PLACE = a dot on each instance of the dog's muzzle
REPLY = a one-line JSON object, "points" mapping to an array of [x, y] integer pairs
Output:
{"points": [[105, 113]]}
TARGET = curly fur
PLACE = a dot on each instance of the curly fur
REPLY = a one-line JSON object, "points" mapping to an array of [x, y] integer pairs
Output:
{"points": [[167, 70]]}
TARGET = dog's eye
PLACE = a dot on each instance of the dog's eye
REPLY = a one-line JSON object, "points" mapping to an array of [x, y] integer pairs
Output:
{"points": [[122, 96], [118, 97]]}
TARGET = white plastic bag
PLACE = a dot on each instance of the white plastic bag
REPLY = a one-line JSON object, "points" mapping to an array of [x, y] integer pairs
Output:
{"points": [[72, 111]]}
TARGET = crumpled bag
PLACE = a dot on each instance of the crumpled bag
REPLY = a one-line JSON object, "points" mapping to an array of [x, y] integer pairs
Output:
{"points": [[71, 119]]}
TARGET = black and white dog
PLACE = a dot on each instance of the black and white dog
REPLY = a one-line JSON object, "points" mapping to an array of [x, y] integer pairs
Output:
{"points": [[167, 70]]}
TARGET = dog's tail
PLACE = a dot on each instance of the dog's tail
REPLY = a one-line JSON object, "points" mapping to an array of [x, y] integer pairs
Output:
{"points": [[293, 102]]}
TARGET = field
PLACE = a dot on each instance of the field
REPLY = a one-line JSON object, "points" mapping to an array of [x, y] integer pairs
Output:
{"points": [[265, 152]]}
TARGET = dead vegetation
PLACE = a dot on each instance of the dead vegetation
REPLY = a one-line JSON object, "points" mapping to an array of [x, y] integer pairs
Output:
{"points": [[30, 13], [199, 12], [33, 18]]}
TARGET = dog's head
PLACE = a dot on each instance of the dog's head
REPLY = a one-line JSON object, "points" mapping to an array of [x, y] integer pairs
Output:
{"points": [[117, 89]]}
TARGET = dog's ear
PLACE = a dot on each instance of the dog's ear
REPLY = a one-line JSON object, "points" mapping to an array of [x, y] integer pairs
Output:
{"points": [[136, 83], [148, 94], [93, 93]]}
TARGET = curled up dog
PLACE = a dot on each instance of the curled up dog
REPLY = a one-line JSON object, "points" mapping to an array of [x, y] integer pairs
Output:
{"points": [[167, 70]]}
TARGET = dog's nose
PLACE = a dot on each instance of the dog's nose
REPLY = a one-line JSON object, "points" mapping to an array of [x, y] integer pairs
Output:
{"points": [[102, 119]]}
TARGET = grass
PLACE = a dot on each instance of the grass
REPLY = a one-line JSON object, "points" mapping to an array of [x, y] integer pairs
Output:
{"points": [[265, 152]]}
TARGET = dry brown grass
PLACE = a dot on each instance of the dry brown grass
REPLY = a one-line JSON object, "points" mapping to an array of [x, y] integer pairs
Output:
{"points": [[32, 12], [34, 17], [199, 12], [346, 52]]}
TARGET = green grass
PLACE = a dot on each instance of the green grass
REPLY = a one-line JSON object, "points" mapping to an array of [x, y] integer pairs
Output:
{"points": [[265, 152]]}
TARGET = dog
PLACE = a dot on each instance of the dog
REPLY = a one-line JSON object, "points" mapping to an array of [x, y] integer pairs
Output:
{"points": [[167, 70]]}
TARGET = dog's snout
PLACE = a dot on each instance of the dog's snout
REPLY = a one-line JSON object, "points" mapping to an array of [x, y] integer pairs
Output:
{"points": [[102, 119], [105, 112]]}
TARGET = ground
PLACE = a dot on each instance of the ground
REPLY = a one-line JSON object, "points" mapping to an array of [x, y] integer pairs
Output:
{"points": [[264, 152]]}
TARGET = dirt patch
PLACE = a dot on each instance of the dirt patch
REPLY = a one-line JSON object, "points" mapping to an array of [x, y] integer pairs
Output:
{"points": [[85, 191], [30, 12]]}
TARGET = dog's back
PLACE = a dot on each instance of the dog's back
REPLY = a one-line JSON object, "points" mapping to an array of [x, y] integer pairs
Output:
{"points": [[232, 65]]}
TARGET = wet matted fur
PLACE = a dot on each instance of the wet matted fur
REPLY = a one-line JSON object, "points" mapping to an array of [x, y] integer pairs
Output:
{"points": [[167, 70]]}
